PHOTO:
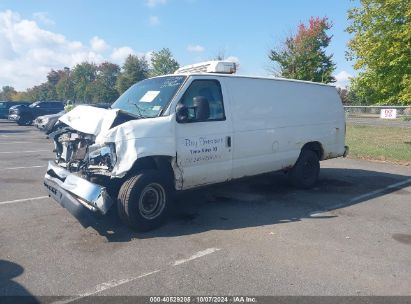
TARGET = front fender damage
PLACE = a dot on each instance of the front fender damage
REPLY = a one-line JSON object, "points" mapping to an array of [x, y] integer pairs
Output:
{"points": [[138, 139]]}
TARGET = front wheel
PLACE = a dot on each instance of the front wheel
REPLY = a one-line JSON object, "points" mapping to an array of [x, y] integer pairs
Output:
{"points": [[144, 200], [25, 121], [306, 170]]}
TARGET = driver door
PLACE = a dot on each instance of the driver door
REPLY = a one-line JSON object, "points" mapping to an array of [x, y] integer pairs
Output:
{"points": [[204, 152]]}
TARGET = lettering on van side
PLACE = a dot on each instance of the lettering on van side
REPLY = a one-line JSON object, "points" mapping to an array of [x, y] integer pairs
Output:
{"points": [[201, 149]]}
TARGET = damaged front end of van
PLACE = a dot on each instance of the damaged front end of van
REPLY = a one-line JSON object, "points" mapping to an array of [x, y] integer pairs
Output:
{"points": [[83, 155], [96, 150]]}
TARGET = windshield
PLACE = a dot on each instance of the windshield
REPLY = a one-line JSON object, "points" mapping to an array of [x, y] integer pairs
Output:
{"points": [[149, 97]]}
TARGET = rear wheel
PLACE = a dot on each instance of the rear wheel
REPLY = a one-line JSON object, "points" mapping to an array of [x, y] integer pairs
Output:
{"points": [[144, 200], [306, 170]]}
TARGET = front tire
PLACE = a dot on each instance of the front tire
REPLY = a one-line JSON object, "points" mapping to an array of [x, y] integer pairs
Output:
{"points": [[144, 200], [306, 170], [25, 121]]}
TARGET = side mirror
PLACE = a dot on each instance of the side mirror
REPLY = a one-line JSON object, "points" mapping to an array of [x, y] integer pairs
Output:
{"points": [[202, 108], [181, 113], [200, 111]]}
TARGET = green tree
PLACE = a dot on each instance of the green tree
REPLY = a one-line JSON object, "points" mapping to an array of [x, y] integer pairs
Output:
{"points": [[104, 86], [303, 56], [53, 77], [134, 69], [65, 87], [84, 75], [163, 63], [41, 92], [7, 93], [381, 49], [21, 96]]}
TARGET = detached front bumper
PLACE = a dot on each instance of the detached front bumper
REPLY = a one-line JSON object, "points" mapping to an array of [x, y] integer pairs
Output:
{"points": [[76, 194]]}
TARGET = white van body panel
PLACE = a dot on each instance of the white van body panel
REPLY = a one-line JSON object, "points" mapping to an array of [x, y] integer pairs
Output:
{"points": [[269, 120], [274, 119]]}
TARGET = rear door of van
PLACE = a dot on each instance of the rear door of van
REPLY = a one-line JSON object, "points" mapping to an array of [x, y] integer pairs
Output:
{"points": [[204, 151]]}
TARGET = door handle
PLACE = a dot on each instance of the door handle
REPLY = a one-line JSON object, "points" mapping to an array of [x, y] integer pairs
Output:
{"points": [[229, 141]]}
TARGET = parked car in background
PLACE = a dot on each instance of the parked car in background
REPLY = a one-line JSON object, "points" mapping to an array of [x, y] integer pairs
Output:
{"points": [[6, 105], [46, 123], [24, 115]]}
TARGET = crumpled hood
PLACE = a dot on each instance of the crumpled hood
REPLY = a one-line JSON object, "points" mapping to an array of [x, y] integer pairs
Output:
{"points": [[133, 139], [90, 120]]}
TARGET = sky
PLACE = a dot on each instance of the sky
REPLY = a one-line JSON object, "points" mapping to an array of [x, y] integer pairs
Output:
{"points": [[39, 35]]}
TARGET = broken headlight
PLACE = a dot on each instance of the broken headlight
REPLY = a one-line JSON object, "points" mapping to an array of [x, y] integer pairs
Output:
{"points": [[102, 155]]}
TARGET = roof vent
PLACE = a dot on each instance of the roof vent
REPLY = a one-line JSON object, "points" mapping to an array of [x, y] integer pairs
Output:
{"points": [[222, 67]]}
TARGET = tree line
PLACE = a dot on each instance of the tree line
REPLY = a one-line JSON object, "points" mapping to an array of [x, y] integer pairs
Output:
{"points": [[91, 83], [380, 48]]}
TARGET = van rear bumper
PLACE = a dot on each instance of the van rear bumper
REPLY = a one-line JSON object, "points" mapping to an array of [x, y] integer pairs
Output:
{"points": [[79, 196]]}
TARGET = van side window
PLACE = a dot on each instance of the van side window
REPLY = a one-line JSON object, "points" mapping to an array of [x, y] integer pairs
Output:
{"points": [[209, 89]]}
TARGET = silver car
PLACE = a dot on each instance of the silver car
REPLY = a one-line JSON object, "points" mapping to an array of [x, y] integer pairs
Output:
{"points": [[46, 122]]}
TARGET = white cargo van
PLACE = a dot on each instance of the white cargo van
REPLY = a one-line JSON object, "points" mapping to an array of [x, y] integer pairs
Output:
{"points": [[200, 126]]}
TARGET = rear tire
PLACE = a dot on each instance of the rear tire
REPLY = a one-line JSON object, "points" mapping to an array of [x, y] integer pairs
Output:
{"points": [[144, 200], [306, 170]]}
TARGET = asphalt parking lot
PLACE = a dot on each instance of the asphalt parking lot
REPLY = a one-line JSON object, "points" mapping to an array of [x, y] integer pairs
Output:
{"points": [[351, 235]]}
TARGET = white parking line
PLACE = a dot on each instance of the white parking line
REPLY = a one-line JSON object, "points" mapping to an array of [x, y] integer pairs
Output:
{"points": [[196, 256], [360, 197], [16, 142], [15, 136], [17, 168], [30, 151], [372, 193], [23, 200], [115, 283], [104, 286]]}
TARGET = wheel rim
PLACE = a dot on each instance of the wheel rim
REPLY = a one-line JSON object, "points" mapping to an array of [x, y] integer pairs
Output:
{"points": [[152, 201]]}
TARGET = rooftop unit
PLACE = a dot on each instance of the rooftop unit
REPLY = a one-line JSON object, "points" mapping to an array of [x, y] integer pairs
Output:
{"points": [[222, 67]]}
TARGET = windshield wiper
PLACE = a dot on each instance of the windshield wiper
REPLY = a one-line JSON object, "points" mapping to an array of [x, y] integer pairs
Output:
{"points": [[140, 115], [139, 111]]}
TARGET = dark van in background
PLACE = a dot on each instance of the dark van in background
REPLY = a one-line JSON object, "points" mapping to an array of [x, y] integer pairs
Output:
{"points": [[6, 105], [24, 115]]}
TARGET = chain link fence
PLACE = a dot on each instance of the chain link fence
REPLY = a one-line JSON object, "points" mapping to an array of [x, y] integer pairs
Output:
{"points": [[375, 111], [371, 115]]}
